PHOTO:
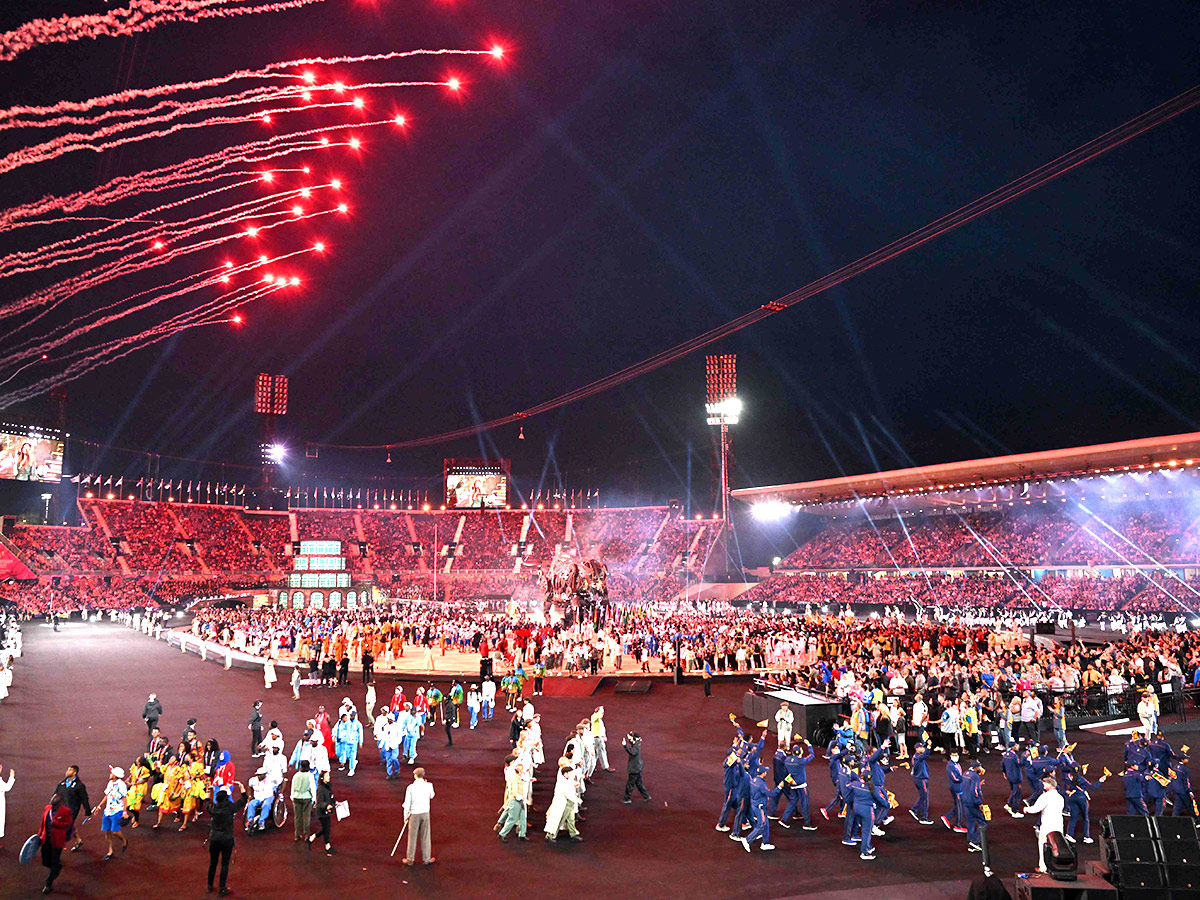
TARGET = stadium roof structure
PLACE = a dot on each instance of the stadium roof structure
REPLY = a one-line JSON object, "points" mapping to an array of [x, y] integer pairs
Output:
{"points": [[944, 484]]}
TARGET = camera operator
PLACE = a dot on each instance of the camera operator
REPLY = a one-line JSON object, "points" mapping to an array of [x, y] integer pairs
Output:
{"points": [[632, 743]]}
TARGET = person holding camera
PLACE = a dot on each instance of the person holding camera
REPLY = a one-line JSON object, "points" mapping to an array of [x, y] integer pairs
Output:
{"points": [[632, 743]]}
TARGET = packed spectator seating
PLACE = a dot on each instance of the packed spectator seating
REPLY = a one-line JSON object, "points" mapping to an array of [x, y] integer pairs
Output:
{"points": [[272, 531], [1042, 535], [221, 541], [187, 548], [389, 541], [56, 549], [487, 538], [1127, 592], [150, 532]]}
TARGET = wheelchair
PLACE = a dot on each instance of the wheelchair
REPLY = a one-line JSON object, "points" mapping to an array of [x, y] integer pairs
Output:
{"points": [[279, 812]]}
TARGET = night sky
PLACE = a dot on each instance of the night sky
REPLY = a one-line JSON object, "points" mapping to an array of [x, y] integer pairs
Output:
{"points": [[638, 172]]}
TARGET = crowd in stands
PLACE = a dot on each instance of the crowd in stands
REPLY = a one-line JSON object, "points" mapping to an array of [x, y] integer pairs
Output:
{"points": [[195, 539], [1052, 534], [52, 549], [1128, 592]]}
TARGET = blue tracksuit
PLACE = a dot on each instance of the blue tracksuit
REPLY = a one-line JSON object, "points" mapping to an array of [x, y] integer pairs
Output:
{"points": [[920, 777], [1011, 763], [972, 799], [797, 771], [864, 799], [778, 775], [1038, 769], [1154, 793], [1160, 754], [1075, 791], [1181, 791], [878, 776], [835, 775], [1135, 802], [846, 782], [743, 800], [1136, 753], [760, 796], [733, 775], [954, 777]]}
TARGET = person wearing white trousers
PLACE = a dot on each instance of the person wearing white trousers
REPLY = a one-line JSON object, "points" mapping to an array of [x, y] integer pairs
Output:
{"points": [[1050, 805], [5, 787], [784, 720]]}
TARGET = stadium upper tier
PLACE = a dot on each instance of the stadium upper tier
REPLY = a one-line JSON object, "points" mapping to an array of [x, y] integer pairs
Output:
{"points": [[180, 539], [1038, 535]]}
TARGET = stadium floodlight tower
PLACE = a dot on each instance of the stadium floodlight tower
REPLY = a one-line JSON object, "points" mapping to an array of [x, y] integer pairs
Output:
{"points": [[270, 402], [724, 409]]}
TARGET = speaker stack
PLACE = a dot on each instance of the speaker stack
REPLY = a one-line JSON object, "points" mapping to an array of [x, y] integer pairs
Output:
{"points": [[1153, 857]]}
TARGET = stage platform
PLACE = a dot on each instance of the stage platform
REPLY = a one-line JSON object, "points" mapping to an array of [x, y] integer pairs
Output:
{"points": [[78, 695]]}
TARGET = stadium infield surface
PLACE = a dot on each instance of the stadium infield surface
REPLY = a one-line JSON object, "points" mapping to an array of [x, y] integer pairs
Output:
{"points": [[78, 695]]}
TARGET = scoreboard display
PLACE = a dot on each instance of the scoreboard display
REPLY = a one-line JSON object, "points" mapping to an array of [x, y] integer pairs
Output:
{"points": [[31, 454], [476, 483]]}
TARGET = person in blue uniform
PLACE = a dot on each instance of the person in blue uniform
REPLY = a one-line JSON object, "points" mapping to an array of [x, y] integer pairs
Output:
{"points": [[972, 801], [864, 800], [1135, 798], [1159, 751], [754, 751], [796, 764], [779, 775], [741, 821], [920, 777], [836, 755], [878, 767], [1039, 767], [1075, 790], [731, 781], [1066, 760], [1136, 753], [1181, 788], [849, 776], [1154, 791], [954, 781], [761, 796], [1010, 761]]}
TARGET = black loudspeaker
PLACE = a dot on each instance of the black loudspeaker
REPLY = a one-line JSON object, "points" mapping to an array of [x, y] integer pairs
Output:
{"points": [[1180, 853], [1184, 877], [1134, 827], [1142, 875], [1045, 628], [1175, 828], [485, 667], [1122, 851]]}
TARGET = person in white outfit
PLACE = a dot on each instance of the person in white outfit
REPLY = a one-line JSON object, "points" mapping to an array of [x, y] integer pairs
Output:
{"points": [[6, 678], [5, 787], [1050, 805], [269, 673], [783, 725]]}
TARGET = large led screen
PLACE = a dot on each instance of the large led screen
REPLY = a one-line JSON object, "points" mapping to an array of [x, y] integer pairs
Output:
{"points": [[30, 457]]}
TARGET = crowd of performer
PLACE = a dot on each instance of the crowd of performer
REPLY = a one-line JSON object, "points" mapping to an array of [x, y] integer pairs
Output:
{"points": [[929, 696], [1155, 778]]}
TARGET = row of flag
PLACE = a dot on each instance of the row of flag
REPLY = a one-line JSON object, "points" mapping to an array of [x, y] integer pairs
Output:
{"points": [[316, 494], [150, 484]]}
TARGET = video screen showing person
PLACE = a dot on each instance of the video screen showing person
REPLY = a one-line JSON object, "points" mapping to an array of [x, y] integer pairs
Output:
{"points": [[465, 491], [30, 458]]}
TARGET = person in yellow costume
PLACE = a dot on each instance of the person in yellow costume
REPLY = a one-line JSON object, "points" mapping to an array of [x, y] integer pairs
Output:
{"points": [[169, 793], [139, 784], [196, 792]]}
